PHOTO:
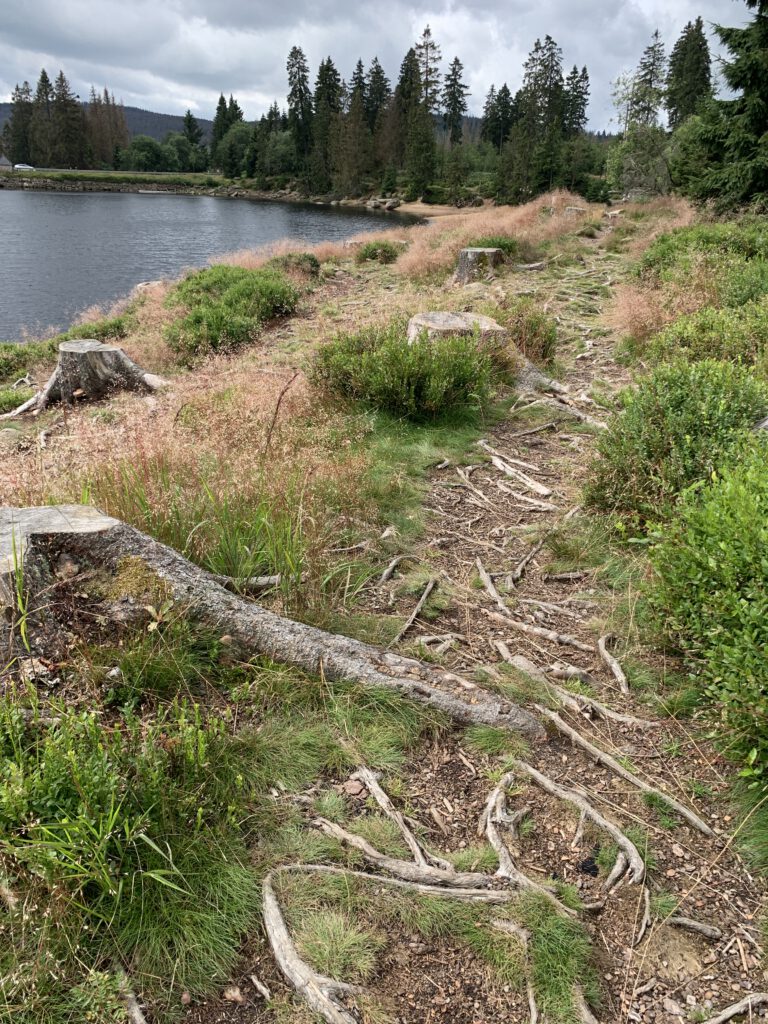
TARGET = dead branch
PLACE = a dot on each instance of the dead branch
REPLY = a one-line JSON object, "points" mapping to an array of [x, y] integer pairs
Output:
{"points": [[562, 670], [422, 857], [688, 924], [516, 474], [415, 613], [550, 607], [533, 503], [490, 587], [749, 1003], [464, 477], [517, 573], [612, 663], [569, 410], [645, 921], [92, 538], [610, 762], [507, 458], [626, 846], [389, 571]]}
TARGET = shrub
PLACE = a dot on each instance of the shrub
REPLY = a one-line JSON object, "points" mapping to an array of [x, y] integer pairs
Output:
{"points": [[532, 331], [382, 252], [746, 239], [511, 247], [16, 359], [226, 307], [710, 598], [304, 263], [673, 430], [738, 335], [422, 380], [10, 399]]}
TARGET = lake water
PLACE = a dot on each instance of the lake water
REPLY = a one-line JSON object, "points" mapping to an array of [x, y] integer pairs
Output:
{"points": [[63, 252]]}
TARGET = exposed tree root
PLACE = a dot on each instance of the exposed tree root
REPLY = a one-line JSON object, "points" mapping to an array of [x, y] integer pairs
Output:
{"points": [[610, 762], [95, 539], [746, 1005], [616, 669], [634, 862], [688, 924], [569, 410], [415, 613], [645, 920], [510, 928], [421, 856], [133, 1010], [495, 811], [546, 634]]}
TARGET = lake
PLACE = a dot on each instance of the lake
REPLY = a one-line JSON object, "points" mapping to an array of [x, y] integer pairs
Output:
{"points": [[63, 252]]}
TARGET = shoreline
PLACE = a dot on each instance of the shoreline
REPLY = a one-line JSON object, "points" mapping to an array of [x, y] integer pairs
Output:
{"points": [[378, 205]]}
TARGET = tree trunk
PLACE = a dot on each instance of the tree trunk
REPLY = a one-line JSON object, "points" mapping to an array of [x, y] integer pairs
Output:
{"points": [[92, 538], [89, 370]]}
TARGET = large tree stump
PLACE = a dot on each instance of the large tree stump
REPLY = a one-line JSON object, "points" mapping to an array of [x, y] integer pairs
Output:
{"points": [[438, 325], [477, 262], [89, 370], [92, 539]]}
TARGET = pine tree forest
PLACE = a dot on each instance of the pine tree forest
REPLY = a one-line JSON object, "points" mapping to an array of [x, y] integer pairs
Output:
{"points": [[413, 135]]}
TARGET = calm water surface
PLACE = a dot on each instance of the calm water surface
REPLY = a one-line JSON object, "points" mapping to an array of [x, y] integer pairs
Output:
{"points": [[63, 252]]}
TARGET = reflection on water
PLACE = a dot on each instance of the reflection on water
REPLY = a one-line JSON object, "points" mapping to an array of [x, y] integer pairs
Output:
{"points": [[63, 252]]}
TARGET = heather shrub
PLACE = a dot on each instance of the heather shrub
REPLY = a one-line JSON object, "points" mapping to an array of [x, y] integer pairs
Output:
{"points": [[710, 599], [226, 307], [532, 331], [422, 380], [673, 430], [746, 239], [513, 248], [380, 251], [302, 263], [737, 334]]}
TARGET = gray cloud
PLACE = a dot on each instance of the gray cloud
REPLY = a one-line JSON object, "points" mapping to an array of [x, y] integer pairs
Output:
{"points": [[173, 55]]}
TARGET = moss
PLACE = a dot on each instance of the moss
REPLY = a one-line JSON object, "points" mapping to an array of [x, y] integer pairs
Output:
{"points": [[135, 579]]}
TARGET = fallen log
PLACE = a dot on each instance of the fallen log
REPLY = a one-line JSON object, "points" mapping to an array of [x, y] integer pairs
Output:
{"points": [[98, 540], [89, 370]]}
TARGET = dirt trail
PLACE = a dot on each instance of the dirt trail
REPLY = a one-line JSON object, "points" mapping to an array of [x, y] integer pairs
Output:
{"points": [[479, 523]]}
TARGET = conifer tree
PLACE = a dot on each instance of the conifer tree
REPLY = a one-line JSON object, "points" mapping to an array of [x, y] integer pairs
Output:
{"points": [[353, 151], [420, 153], [327, 108], [220, 123], [575, 101], [299, 104], [378, 92], [68, 125], [192, 131], [689, 79], [358, 82], [648, 85], [234, 113], [41, 123], [455, 94], [428, 55], [17, 138], [734, 131]]}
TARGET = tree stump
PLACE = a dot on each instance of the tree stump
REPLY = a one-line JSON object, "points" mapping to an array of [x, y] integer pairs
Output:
{"points": [[89, 370], [474, 263], [450, 324]]}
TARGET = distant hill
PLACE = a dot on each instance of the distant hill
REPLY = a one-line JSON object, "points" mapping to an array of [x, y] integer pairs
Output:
{"points": [[140, 122]]}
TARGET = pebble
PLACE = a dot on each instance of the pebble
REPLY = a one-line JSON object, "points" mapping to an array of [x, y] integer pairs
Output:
{"points": [[232, 994]]}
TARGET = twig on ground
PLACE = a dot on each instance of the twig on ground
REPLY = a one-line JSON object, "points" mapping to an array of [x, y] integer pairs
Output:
{"points": [[415, 613], [260, 987], [517, 474], [464, 477], [645, 920], [688, 924], [749, 1003], [532, 503], [389, 571], [517, 573], [490, 587]]}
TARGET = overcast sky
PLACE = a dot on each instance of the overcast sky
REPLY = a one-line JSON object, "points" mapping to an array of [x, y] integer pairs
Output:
{"points": [[170, 55]]}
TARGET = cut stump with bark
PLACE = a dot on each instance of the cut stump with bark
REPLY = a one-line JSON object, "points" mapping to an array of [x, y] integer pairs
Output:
{"points": [[477, 262], [89, 370], [441, 325]]}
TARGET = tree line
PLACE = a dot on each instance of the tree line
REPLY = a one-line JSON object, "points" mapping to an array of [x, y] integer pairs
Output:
{"points": [[367, 134]]}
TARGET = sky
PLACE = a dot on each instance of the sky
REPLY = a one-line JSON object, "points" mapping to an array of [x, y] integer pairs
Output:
{"points": [[177, 54]]}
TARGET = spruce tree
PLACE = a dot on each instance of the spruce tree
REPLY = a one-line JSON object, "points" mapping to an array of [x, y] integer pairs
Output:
{"points": [[353, 150], [220, 123], [358, 82], [575, 101], [18, 136], [428, 55], [68, 125], [455, 94], [735, 131], [489, 130], [327, 107], [191, 130], [378, 92], [420, 153], [299, 104], [648, 85], [41, 123], [689, 79]]}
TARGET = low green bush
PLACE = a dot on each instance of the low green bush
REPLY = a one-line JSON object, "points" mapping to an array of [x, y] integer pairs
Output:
{"points": [[710, 599], [305, 263], [226, 307], [422, 380], [513, 248], [381, 252], [15, 359], [737, 335], [674, 429], [745, 239], [532, 331]]}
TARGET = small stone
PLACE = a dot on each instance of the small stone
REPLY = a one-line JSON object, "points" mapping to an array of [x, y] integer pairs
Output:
{"points": [[186, 998], [353, 787], [672, 1007], [66, 567], [232, 994], [678, 851]]}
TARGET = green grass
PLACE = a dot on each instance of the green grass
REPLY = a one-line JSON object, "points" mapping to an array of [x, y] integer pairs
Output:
{"points": [[337, 947], [493, 742], [225, 308], [380, 252], [10, 398]]}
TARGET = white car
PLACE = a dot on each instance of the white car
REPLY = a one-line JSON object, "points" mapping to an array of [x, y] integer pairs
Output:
{"points": [[23, 167]]}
